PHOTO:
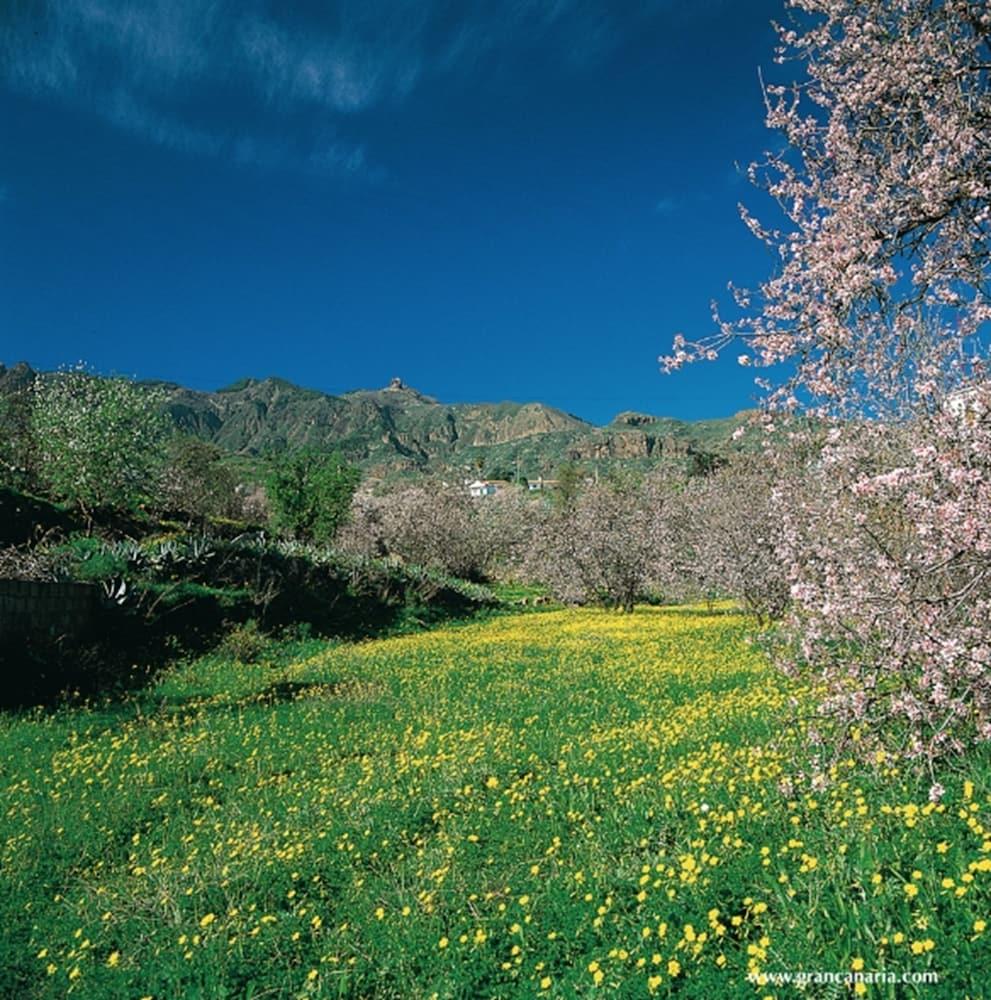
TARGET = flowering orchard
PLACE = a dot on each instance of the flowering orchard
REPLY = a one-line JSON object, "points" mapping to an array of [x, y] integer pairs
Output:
{"points": [[880, 308]]}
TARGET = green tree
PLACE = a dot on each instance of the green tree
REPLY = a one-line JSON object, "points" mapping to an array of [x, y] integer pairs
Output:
{"points": [[703, 463], [310, 493], [99, 441], [17, 459], [195, 480], [570, 479]]}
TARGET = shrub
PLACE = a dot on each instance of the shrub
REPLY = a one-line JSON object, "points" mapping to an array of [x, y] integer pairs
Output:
{"points": [[90, 559], [246, 642]]}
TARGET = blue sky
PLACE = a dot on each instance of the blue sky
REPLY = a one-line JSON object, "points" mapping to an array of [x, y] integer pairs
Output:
{"points": [[515, 200]]}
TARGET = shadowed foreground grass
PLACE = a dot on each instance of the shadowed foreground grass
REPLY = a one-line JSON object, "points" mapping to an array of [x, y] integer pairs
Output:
{"points": [[574, 803]]}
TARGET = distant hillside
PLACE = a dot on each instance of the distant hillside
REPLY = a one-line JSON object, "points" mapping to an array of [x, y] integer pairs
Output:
{"points": [[398, 430]]}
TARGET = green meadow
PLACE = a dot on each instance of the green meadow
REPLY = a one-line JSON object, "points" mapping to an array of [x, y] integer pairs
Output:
{"points": [[559, 804]]}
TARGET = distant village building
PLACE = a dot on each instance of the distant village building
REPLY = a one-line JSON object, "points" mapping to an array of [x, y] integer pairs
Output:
{"points": [[478, 488], [541, 484]]}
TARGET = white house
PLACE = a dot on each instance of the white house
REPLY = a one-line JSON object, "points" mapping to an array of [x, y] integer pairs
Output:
{"points": [[480, 488]]}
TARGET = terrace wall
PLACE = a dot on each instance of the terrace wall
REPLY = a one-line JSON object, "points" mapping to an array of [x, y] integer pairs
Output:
{"points": [[51, 610]]}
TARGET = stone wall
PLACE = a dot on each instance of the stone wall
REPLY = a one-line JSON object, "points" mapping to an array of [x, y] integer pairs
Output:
{"points": [[53, 610]]}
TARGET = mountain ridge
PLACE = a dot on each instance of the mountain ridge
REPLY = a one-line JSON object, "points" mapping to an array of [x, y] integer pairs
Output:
{"points": [[398, 430]]}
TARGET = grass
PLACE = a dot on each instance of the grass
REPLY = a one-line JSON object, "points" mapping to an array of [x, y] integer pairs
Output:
{"points": [[566, 804], [510, 592]]}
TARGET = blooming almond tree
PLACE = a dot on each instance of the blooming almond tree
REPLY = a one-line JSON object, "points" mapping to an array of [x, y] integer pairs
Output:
{"points": [[887, 541], [607, 546], [883, 192], [441, 527], [880, 309], [725, 532]]}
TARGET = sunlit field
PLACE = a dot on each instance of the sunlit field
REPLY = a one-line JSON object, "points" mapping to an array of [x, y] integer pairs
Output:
{"points": [[569, 803]]}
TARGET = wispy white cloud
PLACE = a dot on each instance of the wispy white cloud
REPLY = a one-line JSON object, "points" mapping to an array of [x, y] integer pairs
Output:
{"points": [[160, 69], [289, 68], [123, 110]]}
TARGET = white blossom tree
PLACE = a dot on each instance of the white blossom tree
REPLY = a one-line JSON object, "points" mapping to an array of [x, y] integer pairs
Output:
{"points": [[606, 546], [98, 441], [442, 527], [725, 534], [880, 308]]}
